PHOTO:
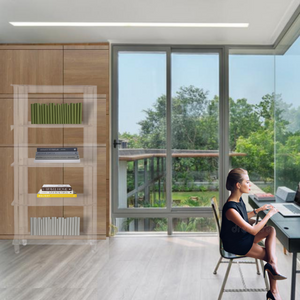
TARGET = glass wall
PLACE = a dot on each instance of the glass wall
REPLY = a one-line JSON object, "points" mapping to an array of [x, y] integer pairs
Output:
{"points": [[251, 119], [142, 129], [287, 118], [195, 128]]}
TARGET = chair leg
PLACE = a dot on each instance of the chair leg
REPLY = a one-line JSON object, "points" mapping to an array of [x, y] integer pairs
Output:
{"points": [[257, 267], [217, 266], [266, 277], [225, 279]]}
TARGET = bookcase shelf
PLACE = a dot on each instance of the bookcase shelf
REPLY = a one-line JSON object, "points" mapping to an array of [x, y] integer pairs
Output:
{"points": [[29, 162], [22, 198]]}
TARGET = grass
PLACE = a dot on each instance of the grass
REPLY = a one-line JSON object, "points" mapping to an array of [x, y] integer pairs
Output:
{"points": [[204, 197]]}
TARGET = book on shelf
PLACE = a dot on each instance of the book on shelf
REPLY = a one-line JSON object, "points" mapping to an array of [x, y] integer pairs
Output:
{"points": [[55, 195], [55, 226], [56, 192], [54, 187], [73, 149], [264, 197], [57, 155]]}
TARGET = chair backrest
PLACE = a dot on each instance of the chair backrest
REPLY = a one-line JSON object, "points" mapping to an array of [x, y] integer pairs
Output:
{"points": [[215, 208]]}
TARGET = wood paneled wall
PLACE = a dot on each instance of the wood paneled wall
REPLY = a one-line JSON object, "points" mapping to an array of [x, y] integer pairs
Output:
{"points": [[86, 64]]}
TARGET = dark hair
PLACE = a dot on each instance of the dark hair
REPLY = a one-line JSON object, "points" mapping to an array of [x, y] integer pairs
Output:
{"points": [[235, 176]]}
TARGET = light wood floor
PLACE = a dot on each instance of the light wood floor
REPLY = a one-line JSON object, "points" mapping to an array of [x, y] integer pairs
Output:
{"points": [[134, 268]]}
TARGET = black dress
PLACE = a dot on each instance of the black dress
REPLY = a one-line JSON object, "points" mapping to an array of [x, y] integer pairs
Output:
{"points": [[235, 239]]}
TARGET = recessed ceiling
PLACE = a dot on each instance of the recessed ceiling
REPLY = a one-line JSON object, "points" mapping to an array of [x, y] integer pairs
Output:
{"points": [[266, 19]]}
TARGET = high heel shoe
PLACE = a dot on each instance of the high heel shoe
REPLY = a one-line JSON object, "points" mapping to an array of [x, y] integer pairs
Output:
{"points": [[270, 296], [272, 273]]}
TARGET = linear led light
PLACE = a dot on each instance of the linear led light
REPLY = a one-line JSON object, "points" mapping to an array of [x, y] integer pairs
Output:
{"points": [[127, 24]]}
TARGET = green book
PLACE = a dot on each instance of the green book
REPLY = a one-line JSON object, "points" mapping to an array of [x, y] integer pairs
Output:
{"points": [[80, 113], [42, 113], [38, 113], [50, 113], [72, 109], [31, 112], [46, 114], [75, 113], [58, 114]]}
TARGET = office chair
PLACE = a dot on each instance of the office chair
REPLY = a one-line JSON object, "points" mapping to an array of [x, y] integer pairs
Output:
{"points": [[231, 257]]}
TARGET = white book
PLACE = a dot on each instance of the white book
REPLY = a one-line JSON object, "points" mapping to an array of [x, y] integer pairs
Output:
{"points": [[72, 226], [46, 226], [75, 225], [39, 226], [55, 192], [78, 230], [42, 227], [78, 226], [59, 226], [62, 226], [55, 226], [68, 223], [56, 185], [31, 226]]}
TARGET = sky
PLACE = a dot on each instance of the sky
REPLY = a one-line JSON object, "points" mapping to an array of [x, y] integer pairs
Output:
{"points": [[142, 79]]}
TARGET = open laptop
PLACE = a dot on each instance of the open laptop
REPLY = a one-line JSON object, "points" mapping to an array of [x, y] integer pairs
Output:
{"points": [[291, 209]]}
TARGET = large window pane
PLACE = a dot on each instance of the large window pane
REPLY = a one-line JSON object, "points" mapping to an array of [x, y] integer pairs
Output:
{"points": [[142, 129], [251, 90], [287, 117], [195, 124]]}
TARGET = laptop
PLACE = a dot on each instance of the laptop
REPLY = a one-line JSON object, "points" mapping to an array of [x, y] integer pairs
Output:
{"points": [[291, 209]]}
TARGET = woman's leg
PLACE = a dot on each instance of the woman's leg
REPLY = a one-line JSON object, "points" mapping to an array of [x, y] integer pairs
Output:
{"points": [[269, 233], [259, 252]]}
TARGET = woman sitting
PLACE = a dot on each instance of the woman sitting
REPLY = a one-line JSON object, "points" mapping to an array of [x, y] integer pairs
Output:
{"points": [[240, 237]]}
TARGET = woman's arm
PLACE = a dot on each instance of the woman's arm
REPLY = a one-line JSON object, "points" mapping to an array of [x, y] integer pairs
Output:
{"points": [[251, 214], [233, 216]]}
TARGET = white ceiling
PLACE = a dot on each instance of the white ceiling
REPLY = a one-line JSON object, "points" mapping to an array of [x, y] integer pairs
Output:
{"points": [[267, 18]]}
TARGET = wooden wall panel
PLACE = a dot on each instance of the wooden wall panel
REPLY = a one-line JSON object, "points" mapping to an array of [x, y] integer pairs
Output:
{"points": [[41, 67], [6, 190], [6, 71], [6, 120], [53, 65], [87, 67]]}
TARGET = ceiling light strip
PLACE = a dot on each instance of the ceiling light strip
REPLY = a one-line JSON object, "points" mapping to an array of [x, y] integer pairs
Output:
{"points": [[130, 24]]}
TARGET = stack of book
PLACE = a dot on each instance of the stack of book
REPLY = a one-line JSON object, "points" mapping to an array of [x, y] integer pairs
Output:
{"points": [[56, 113], [57, 155], [57, 191], [264, 197], [55, 226]]}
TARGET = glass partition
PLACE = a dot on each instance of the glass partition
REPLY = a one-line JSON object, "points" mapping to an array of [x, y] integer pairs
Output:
{"points": [[287, 118], [195, 128], [252, 118]]}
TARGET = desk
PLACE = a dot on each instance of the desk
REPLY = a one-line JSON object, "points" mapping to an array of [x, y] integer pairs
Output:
{"points": [[287, 232]]}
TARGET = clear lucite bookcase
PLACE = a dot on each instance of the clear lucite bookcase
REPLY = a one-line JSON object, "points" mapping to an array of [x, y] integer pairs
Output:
{"points": [[22, 198]]}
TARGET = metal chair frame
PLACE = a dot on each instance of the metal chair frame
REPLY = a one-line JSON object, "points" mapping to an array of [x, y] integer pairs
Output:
{"points": [[230, 260]]}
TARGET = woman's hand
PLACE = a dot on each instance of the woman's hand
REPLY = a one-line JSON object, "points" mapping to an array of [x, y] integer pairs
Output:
{"points": [[273, 211], [266, 207]]}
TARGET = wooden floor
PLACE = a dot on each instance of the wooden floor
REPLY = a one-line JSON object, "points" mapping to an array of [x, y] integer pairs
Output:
{"points": [[137, 268]]}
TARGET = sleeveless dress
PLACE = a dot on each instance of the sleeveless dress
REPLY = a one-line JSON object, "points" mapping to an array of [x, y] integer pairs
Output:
{"points": [[235, 239]]}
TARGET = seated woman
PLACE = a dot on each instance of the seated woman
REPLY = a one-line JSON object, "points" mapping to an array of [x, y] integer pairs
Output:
{"points": [[239, 237]]}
